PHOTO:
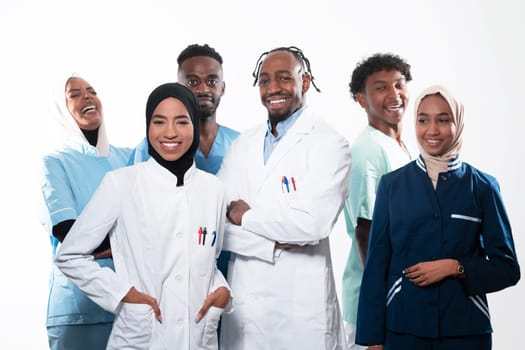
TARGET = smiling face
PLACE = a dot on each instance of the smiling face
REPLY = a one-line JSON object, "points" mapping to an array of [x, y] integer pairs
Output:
{"points": [[203, 75], [282, 85], [385, 99], [170, 131], [83, 104], [435, 128]]}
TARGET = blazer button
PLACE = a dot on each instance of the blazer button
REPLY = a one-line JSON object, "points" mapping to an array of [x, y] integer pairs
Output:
{"points": [[435, 216]]}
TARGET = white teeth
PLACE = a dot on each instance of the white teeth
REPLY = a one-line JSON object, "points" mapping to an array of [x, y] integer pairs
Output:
{"points": [[282, 100], [89, 108], [394, 107], [170, 144]]}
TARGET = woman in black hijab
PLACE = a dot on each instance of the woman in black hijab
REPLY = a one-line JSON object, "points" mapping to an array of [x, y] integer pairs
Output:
{"points": [[165, 219]]}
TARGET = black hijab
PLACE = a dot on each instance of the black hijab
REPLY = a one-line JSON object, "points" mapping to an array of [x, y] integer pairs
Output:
{"points": [[182, 93]]}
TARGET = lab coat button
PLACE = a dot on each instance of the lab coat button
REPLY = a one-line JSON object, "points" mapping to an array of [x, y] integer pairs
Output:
{"points": [[179, 235], [178, 277]]}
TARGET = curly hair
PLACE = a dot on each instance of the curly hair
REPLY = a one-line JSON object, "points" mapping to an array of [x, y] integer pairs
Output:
{"points": [[373, 64], [198, 50]]}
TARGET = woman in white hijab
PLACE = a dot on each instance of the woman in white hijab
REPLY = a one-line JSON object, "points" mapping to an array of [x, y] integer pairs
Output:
{"points": [[71, 173], [440, 241]]}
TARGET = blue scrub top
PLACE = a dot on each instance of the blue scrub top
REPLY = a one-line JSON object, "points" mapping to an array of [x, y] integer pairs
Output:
{"points": [[71, 176]]}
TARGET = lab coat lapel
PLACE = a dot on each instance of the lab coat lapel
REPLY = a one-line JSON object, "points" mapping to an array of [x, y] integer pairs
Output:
{"points": [[302, 127]]}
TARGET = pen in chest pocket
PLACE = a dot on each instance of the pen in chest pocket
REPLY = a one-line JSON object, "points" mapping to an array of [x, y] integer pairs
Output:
{"points": [[287, 185]]}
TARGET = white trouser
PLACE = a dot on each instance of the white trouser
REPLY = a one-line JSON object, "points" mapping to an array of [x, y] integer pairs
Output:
{"points": [[350, 337]]}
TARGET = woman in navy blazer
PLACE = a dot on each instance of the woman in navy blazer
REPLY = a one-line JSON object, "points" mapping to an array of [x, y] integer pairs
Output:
{"points": [[440, 240]]}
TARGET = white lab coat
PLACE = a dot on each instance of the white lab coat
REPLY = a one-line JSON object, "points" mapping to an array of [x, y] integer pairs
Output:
{"points": [[154, 233], [285, 299]]}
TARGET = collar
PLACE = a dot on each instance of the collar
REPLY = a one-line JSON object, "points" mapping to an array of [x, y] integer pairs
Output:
{"points": [[283, 126], [453, 164]]}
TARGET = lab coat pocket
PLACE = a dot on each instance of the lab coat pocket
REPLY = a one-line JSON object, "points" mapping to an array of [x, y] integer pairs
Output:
{"points": [[211, 322], [133, 327]]}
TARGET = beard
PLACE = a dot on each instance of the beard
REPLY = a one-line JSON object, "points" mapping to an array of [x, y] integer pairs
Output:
{"points": [[205, 114], [206, 111]]}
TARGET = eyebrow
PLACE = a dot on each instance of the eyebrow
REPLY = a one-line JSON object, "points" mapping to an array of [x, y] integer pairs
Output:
{"points": [[376, 82], [440, 114], [180, 116]]}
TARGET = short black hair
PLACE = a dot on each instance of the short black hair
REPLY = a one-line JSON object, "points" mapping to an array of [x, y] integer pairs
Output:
{"points": [[195, 50], [375, 63], [296, 52]]}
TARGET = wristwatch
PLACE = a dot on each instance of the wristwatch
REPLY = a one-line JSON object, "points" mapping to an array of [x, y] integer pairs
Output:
{"points": [[460, 271]]}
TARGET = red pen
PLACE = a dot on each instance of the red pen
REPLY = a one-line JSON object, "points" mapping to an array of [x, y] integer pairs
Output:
{"points": [[293, 184]]}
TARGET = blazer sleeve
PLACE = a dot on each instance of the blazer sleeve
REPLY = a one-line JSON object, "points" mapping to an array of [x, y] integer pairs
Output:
{"points": [[498, 268]]}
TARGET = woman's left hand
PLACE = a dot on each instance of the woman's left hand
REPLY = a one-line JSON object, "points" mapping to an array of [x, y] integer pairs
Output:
{"points": [[429, 272], [218, 298]]}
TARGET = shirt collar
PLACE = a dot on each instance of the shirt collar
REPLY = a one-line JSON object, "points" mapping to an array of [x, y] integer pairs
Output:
{"points": [[283, 126]]}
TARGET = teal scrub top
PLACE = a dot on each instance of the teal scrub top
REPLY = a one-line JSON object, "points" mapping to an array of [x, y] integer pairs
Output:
{"points": [[373, 154]]}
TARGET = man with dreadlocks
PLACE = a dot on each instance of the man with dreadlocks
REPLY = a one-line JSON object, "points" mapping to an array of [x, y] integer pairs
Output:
{"points": [[286, 182]]}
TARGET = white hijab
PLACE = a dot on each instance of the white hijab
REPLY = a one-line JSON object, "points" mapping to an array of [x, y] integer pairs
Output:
{"points": [[69, 126], [439, 164]]}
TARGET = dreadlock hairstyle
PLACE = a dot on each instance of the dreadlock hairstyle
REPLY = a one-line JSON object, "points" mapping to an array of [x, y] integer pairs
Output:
{"points": [[195, 50], [373, 64], [298, 54]]}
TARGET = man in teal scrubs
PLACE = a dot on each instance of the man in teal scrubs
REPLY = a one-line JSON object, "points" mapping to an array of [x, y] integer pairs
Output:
{"points": [[379, 85]]}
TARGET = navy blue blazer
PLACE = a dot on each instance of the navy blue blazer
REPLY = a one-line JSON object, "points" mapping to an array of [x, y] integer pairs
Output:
{"points": [[463, 219]]}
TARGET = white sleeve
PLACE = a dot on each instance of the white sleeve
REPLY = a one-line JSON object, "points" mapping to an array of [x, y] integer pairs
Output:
{"points": [[236, 239], [74, 259], [246, 243], [311, 215]]}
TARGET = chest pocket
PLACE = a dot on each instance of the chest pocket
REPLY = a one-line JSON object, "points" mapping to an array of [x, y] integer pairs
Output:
{"points": [[466, 228]]}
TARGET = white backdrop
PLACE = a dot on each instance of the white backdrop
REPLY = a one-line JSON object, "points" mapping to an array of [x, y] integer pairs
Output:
{"points": [[126, 48]]}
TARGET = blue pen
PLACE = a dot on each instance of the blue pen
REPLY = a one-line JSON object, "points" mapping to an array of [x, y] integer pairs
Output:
{"points": [[204, 236], [214, 237], [285, 180]]}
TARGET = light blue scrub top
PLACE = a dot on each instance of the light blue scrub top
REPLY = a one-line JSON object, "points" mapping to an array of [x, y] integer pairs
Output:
{"points": [[71, 176], [373, 154]]}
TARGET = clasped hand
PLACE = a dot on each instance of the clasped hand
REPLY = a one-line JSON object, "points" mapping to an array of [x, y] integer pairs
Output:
{"points": [[429, 272]]}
